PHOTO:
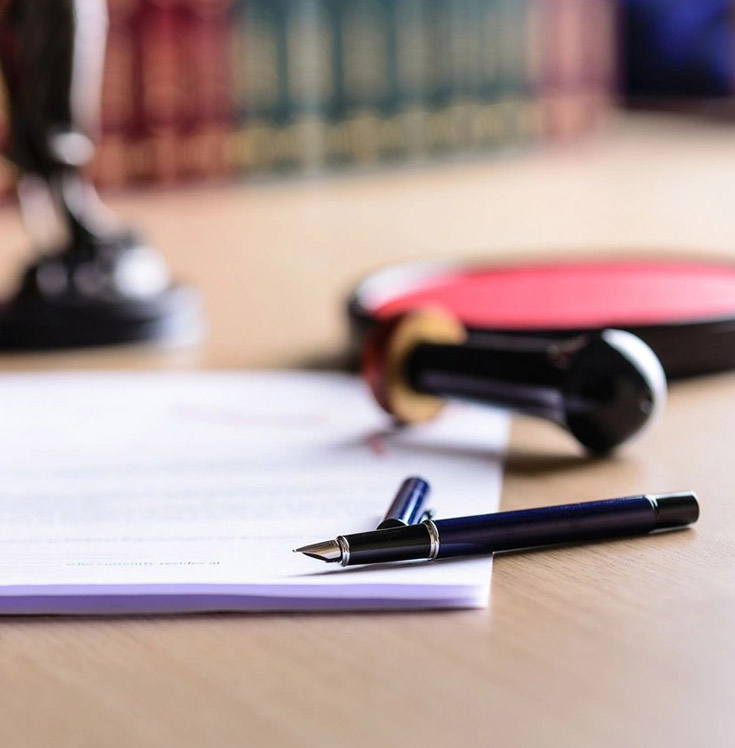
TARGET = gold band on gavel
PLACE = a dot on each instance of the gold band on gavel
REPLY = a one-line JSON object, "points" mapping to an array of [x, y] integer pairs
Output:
{"points": [[387, 354]]}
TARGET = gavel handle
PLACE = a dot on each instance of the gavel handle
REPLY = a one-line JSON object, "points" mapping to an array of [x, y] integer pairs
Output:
{"points": [[526, 379]]}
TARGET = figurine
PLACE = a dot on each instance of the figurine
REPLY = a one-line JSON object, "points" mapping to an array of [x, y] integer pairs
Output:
{"points": [[99, 283]]}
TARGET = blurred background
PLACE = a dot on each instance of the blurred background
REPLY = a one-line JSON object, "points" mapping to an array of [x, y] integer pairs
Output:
{"points": [[214, 94], [202, 89]]}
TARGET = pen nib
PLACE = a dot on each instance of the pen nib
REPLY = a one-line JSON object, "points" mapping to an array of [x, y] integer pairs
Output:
{"points": [[328, 551]]}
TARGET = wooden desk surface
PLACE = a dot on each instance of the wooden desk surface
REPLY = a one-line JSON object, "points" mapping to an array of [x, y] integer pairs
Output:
{"points": [[624, 643]]}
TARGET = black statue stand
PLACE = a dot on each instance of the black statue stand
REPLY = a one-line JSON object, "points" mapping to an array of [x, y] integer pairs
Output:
{"points": [[99, 284]]}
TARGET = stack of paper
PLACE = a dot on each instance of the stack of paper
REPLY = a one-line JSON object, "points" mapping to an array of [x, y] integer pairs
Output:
{"points": [[188, 492]]}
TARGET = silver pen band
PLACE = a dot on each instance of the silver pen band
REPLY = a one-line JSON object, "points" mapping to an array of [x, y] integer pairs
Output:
{"points": [[344, 546], [433, 538]]}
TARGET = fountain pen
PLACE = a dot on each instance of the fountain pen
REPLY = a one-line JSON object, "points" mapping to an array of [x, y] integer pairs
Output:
{"points": [[504, 531]]}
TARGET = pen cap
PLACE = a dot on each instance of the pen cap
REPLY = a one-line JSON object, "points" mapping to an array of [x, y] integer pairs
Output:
{"points": [[408, 505], [675, 509]]}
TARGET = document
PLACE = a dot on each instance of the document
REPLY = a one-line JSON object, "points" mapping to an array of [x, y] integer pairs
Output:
{"points": [[183, 492]]}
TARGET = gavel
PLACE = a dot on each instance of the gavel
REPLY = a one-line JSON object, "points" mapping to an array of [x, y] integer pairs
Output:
{"points": [[602, 387]]}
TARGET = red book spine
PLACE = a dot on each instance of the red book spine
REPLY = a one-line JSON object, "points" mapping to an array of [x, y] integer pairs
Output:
{"points": [[208, 110], [562, 63], [578, 63], [161, 98], [111, 167], [601, 55], [6, 170]]}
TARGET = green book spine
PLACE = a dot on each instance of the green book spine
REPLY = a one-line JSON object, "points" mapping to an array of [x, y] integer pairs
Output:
{"points": [[336, 143], [468, 71], [393, 140], [413, 73], [311, 83], [365, 83], [518, 108], [486, 128], [259, 81], [445, 51]]}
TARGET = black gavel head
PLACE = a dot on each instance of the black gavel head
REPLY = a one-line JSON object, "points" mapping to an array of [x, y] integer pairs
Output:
{"points": [[613, 387], [603, 388]]}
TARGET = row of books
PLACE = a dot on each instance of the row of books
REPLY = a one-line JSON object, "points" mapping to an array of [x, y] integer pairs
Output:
{"points": [[199, 89]]}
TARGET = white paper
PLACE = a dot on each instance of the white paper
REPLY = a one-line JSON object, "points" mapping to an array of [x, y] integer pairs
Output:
{"points": [[188, 491]]}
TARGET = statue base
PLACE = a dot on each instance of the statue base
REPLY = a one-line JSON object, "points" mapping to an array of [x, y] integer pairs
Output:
{"points": [[114, 292]]}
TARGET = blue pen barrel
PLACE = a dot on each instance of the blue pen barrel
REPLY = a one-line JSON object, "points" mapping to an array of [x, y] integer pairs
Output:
{"points": [[504, 531], [552, 525]]}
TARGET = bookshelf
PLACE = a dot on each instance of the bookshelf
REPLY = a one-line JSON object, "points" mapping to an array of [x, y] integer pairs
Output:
{"points": [[203, 89]]}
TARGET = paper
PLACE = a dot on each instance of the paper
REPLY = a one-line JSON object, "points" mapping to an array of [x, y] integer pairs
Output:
{"points": [[188, 491]]}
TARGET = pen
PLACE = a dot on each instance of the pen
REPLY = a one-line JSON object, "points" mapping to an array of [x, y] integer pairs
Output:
{"points": [[504, 531]]}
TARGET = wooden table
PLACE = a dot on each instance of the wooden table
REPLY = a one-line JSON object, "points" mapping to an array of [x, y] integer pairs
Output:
{"points": [[624, 643]]}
